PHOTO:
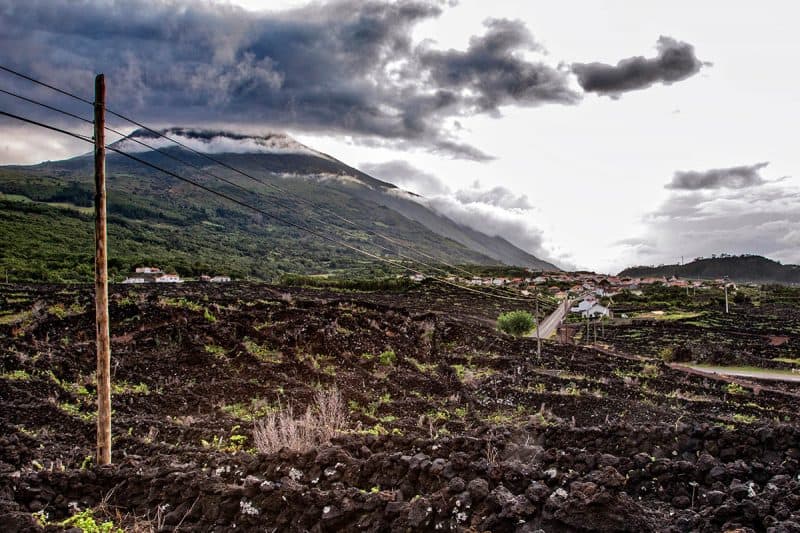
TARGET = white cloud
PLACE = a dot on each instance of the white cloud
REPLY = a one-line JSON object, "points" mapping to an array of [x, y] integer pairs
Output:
{"points": [[762, 219], [497, 211]]}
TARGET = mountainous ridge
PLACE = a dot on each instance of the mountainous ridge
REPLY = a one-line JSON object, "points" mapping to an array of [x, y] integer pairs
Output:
{"points": [[744, 268], [156, 218]]}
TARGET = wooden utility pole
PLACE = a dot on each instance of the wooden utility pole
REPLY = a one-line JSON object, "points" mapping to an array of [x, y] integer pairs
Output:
{"points": [[538, 336], [101, 277], [726, 298]]}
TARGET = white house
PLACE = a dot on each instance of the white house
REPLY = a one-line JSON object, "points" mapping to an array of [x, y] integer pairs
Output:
{"points": [[169, 278], [148, 270], [223, 279], [596, 310], [134, 280], [584, 306]]}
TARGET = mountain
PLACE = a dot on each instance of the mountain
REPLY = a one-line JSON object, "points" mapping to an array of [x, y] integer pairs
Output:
{"points": [[46, 230], [745, 268]]}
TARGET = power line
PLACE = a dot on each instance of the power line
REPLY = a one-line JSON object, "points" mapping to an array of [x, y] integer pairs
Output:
{"points": [[258, 210], [47, 126], [225, 165], [46, 106], [43, 84]]}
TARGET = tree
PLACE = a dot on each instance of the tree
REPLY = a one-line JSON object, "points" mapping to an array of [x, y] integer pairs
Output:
{"points": [[516, 323]]}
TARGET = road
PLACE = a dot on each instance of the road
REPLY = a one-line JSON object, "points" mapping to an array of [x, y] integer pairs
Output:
{"points": [[551, 321], [742, 373]]}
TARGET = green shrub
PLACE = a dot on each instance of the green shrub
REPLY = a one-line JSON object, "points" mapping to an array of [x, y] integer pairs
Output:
{"points": [[387, 358], [516, 323], [667, 354]]}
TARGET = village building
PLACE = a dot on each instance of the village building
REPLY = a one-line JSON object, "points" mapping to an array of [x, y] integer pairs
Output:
{"points": [[168, 278]]}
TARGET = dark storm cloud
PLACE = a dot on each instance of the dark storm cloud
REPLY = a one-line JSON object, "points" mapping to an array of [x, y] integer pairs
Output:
{"points": [[492, 70], [717, 178], [675, 61], [346, 67]]}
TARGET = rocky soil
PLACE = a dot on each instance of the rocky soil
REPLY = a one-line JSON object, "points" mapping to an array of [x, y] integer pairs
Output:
{"points": [[451, 425]]}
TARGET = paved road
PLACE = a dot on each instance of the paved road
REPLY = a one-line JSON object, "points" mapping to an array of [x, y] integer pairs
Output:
{"points": [[551, 322], [771, 376]]}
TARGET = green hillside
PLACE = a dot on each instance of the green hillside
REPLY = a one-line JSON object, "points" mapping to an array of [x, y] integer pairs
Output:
{"points": [[46, 221]]}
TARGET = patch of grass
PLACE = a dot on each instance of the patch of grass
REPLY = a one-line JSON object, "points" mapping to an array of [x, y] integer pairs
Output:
{"points": [[421, 367], [84, 521], [249, 412], [744, 419], [788, 360], [16, 318], [688, 396], [469, 374], [650, 371], [16, 375], [735, 389], [181, 303], [231, 444], [387, 358], [539, 388], [217, 351], [75, 410], [570, 390], [123, 387], [262, 353], [499, 418], [208, 315], [58, 311]]}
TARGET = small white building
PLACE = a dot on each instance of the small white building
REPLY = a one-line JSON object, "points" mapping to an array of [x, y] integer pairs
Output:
{"points": [[596, 310], [148, 270], [226, 279], [169, 278], [133, 280]]}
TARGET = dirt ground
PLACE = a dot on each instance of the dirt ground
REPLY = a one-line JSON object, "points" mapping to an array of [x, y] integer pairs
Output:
{"points": [[451, 424]]}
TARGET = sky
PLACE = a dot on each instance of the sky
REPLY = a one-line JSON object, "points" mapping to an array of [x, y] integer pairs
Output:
{"points": [[594, 134]]}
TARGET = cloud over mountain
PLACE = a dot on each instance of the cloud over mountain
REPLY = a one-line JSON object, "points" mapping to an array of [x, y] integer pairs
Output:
{"points": [[341, 67], [675, 61], [346, 66], [497, 211]]}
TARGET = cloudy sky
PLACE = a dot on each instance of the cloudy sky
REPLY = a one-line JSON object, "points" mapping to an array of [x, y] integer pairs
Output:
{"points": [[594, 134]]}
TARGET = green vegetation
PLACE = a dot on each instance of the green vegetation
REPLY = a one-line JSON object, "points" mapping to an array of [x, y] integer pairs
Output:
{"points": [[249, 412], [84, 521], [17, 375], [217, 351], [262, 353], [75, 410], [516, 323], [744, 419], [394, 283], [231, 444], [154, 219], [387, 358], [123, 387], [667, 354], [736, 389]]}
